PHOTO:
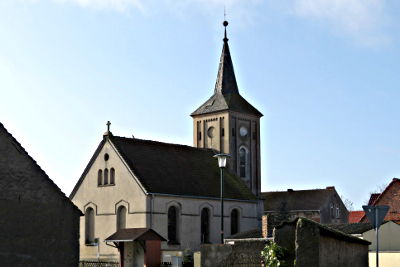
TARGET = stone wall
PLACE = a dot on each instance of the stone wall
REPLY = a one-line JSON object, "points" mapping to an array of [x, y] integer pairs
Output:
{"points": [[241, 253], [312, 244]]}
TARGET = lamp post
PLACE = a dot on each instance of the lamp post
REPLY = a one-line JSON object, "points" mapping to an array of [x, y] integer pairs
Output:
{"points": [[222, 164]]}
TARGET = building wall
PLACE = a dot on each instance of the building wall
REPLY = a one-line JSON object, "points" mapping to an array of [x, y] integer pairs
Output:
{"points": [[148, 210], [189, 210], [328, 215], [231, 141], [386, 258], [105, 201], [39, 226], [389, 237]]}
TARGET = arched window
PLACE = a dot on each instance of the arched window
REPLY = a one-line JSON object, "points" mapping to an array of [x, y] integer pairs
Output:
{"points": [[172, 225], [89, 226], [205, 225], [112, 176], [234, 221], [100, 177], [121, 217], [105, 176], [242, 161]]}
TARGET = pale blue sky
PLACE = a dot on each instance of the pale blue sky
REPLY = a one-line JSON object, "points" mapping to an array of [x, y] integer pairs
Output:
{"points": [[324, 73]]}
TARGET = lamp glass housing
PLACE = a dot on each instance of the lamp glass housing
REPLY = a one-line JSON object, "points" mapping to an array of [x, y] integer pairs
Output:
{"points": [[221, 160]]}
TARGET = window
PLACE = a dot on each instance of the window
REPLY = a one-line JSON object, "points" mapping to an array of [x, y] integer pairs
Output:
{"points": [[337, 212], [234, 221], [121, 217], [199, 135], [112, 176], [223, 132], [89, 226], [172, 225], [106, 176], [242, 162], [100, 177], [205, 225]]}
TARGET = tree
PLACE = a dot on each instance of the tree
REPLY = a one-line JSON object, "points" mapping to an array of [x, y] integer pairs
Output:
{"points": [[348, 203]]}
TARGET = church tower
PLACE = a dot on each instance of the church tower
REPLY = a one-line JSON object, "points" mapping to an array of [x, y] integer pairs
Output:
{"points": [[229, 124]]}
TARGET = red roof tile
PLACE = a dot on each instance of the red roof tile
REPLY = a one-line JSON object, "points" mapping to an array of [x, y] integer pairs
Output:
{"points": [[355, 216]]}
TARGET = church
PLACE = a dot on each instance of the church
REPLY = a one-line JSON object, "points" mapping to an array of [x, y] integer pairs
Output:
{"points": [[174, 189]]}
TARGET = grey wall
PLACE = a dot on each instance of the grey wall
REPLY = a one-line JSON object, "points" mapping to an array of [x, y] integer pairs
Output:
{"points": [[38, 234], [311, 244], [242, 253], [39, 226]]}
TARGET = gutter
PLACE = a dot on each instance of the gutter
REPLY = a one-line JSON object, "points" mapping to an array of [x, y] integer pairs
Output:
{"points": [[202, 197]]}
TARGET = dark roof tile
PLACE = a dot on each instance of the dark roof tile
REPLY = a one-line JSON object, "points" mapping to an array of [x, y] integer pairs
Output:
{"points": [[296, 200], [178, 169]]}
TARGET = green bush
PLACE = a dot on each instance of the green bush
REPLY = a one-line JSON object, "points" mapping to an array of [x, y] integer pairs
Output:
{"points": [[273, 255]]}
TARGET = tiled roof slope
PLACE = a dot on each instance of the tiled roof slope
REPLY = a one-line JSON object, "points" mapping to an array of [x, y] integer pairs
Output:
{"points": [[226, 93], [20, 177], [355, 216], [352, 228], [372, 198], [178, 169], [391, 197], [296, 200]]}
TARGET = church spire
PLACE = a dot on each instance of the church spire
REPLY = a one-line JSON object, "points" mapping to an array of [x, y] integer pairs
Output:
{"points": [[226, 81]]}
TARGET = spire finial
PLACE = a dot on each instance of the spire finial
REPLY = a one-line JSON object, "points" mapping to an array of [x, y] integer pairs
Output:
{"points": [[225, 23]]}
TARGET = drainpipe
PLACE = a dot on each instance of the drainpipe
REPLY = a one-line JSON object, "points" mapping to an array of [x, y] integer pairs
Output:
{"points": [[151, 209]]}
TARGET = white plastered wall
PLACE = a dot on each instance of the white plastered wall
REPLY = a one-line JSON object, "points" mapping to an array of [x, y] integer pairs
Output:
{"points": [[189, 210], [105, 200]]}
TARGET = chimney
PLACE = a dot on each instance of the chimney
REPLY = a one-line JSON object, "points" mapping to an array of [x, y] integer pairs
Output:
{"points": [[290, 190], [330, 188]]}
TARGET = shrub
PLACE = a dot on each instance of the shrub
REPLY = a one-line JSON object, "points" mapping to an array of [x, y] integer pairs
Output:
{"points": [[273, 255]]}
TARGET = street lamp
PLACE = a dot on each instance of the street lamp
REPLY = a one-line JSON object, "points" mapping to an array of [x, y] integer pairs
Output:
{"points": [[222, 164]]}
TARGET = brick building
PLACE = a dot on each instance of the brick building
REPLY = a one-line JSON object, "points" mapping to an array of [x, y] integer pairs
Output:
{"points": [[320, 205], [391, 197]]}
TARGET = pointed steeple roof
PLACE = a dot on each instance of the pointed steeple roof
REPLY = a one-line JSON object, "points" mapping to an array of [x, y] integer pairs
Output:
{"points": [[226, 93], [226, 80]]}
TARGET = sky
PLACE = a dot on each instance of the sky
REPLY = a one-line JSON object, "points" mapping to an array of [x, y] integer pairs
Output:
{"points": [[324, 73]]}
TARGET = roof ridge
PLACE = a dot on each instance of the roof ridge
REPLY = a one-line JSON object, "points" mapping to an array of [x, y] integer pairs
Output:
{"points": [[161, 143], [301, 190], [37, 166]]}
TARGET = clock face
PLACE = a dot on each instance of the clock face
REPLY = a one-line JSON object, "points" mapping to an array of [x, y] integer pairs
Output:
{"points": [[243, 131]]}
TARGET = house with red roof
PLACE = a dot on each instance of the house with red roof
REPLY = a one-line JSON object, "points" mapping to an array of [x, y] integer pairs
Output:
{"points": [[391, 197]]}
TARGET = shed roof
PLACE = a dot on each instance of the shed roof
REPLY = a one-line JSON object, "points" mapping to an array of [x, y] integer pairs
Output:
{"points": [[352, 228], [134, 234]]}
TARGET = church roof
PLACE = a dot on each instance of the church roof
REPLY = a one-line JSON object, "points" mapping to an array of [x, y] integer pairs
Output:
{"points": [[178, 169], [172, 169], [226, 93]]}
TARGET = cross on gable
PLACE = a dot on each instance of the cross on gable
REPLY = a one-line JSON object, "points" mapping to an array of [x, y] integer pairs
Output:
{"points": [[108, 126]]}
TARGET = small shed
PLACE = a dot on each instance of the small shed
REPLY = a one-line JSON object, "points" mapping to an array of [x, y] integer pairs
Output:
{"points": [[137, 246]]}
